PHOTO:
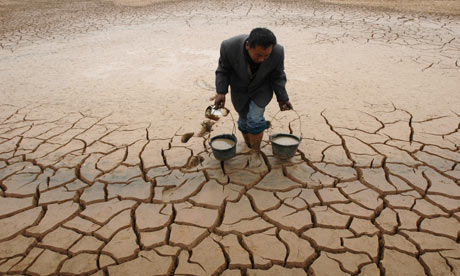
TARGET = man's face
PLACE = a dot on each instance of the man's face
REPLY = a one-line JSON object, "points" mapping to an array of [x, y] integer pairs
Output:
{"points": [[258, 54]]}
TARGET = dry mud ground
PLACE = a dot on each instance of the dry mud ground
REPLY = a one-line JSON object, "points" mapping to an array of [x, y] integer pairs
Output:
{"points": [[94, 178]]}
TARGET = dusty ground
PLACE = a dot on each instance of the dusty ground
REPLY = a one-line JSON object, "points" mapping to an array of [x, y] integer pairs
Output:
{"points": [[94, 178], [449, 7]]}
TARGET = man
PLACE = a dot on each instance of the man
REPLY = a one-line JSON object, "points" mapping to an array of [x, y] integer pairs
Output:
{"points": [[253, 66]]}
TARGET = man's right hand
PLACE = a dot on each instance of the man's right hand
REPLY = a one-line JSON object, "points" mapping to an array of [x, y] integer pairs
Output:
{"points": [[286, 105], [219, 102]]}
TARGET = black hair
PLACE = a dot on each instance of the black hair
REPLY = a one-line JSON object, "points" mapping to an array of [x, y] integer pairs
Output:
{"points": [[262, 37]]}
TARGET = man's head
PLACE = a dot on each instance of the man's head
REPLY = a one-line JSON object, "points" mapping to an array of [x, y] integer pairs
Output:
{"points": [[260, 44]]}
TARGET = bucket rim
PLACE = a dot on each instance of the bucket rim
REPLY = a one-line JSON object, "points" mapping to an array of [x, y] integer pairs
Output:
{"points": [[227, 136], [275, 135]]}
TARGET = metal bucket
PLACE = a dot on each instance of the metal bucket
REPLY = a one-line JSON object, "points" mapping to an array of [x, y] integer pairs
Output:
{"points": [[224, 154], [284, 151]]}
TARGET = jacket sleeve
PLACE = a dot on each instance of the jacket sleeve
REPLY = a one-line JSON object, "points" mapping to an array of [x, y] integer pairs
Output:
{"points": [[278, 80], [223, 72]]}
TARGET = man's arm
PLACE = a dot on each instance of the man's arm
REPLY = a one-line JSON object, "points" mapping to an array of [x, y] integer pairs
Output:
{"points": [[278, 80], [222, 78]]}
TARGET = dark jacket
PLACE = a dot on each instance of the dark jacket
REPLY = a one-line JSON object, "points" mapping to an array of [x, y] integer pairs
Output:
{"points": [[233, 70]]}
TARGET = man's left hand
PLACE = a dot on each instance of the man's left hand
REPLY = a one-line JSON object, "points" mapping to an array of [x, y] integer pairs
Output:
{"points": [[285, 105]]}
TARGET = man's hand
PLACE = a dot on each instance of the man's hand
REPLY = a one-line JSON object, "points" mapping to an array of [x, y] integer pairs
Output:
{"points": [[219, 102], [285, 105]]}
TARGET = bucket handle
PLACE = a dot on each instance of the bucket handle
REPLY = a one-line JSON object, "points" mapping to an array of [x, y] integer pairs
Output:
{"points": [[233, 120], [298, 118]]}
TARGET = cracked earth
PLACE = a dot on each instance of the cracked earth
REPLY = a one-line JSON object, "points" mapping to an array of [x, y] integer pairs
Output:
{"points": [[105, 166]]}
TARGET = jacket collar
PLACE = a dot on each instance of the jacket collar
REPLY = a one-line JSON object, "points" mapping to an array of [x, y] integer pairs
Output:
{"points": [[243, 64]]}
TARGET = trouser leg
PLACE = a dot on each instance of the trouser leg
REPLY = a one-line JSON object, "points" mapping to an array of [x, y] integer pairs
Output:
{"points": [[251, 123], [242, 124], [255, 125]]}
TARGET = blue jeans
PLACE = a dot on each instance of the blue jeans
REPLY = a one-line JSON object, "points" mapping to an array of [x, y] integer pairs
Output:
{"points": [[251, 119]]}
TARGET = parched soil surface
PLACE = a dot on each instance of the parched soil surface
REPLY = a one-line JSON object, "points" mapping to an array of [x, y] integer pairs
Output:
{"points": [[448, 7], [105, 163]]}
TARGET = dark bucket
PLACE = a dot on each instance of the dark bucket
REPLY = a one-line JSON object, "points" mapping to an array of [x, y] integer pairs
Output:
{"points": [[225, 154], [284, 151]]}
